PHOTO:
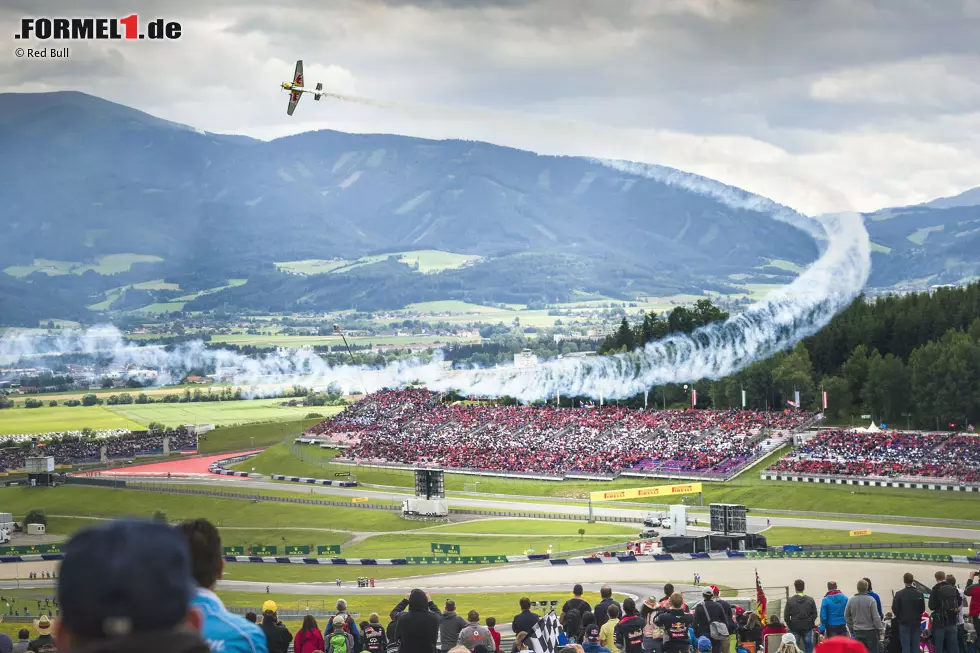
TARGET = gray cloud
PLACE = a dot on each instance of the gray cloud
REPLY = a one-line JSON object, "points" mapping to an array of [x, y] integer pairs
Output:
{"points": [[870, 96]]}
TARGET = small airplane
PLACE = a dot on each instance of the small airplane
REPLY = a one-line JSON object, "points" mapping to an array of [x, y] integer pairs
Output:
{"points": [[296, 89]]}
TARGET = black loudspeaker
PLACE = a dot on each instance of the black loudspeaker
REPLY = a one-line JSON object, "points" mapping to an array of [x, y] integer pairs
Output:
{"points": [[430, 484]]}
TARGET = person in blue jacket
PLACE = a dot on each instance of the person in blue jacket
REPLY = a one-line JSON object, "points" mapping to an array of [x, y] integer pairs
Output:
{"points": [[832, 607], [224, 631], [875, 596]]}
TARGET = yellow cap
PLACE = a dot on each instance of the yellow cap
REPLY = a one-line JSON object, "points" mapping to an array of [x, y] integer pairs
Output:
{"points": [[270, 606]]}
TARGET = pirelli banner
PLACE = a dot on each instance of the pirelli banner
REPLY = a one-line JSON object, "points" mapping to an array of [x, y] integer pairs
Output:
{"points": [[646, 492]]}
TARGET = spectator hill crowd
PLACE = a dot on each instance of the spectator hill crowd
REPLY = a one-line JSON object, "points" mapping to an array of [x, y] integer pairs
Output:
{"points": [[75, 450], [411, 427]]}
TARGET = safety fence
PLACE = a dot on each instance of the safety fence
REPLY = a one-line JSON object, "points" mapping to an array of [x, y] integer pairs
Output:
{"points": [[312, 481], [883, 545], [948, 486]]}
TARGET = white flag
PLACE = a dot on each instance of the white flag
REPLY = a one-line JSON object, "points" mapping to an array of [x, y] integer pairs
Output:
{"points": [[743, 398]]}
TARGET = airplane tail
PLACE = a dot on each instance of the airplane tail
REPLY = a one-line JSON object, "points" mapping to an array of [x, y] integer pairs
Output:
{"points": [[319, 87]]}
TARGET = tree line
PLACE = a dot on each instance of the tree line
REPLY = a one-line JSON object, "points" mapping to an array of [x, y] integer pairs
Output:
{"points": [[909, 361]]}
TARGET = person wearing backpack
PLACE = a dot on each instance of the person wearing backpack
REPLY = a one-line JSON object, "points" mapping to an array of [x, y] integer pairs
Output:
{"points": [[374, 636], [800, 616], [348, 624], [710, 621], [944, 601], [340, 640]]}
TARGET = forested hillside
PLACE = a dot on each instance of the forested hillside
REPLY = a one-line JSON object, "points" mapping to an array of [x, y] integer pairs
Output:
{"points": [[910, 360]]}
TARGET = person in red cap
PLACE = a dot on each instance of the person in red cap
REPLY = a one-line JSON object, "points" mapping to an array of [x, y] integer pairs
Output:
{"points": [[840, 644]]}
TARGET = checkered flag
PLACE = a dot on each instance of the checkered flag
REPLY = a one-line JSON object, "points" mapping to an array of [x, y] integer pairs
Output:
{"points": [[544, 636]]}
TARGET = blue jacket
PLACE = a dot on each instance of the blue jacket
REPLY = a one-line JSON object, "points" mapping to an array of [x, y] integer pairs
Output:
{"points": [[877, 602], [832, 609], [594, 647], [226, 632]]}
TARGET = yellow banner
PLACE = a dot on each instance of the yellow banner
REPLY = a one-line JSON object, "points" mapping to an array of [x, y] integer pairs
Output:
{"points": [[645, 492], [861, 532], [359, 499]]}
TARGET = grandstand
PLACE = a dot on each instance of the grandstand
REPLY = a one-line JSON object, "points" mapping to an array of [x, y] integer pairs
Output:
{"points": [[411, 427], [891, 455], [74, 450]]}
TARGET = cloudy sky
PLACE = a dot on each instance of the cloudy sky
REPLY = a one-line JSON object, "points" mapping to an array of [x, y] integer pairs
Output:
{"points": [[820, 104]]}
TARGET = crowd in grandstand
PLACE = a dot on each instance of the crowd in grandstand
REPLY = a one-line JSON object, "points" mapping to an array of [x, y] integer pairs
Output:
{"points": [[21, 438], [887, 454], [155, 594], [77, 450], [413, 427]]}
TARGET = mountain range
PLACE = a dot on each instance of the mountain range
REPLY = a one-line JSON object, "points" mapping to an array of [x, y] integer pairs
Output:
{"points": [[109, 209]]}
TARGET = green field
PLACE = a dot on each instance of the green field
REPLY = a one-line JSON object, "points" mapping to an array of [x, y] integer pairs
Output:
{"points": [[217, 412], [242, 436], [535, 527], [779, 535], [394, 546], [62, 418], [231, 283], [50, 419], [110, 264], [428, 261], [747, 489], [79, 501]]}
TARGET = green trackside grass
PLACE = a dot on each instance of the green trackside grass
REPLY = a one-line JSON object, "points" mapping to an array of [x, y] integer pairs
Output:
{"points": [[290, 490], [779, 535], [395, 546], [52, 419], [558, 527], [747, 489], [103, 502], [247, 436], [281, 573], [214, 412]]}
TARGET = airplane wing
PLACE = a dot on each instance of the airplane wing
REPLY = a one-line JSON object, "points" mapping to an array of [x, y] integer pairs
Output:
{"points": [[295, 95]]}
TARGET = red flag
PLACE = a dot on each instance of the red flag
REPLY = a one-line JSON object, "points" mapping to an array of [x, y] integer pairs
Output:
{"points": [[694, 398], [760, 596]]}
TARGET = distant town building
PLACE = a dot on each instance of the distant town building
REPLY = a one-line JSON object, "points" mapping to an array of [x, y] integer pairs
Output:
{"points": [[525, 359]]}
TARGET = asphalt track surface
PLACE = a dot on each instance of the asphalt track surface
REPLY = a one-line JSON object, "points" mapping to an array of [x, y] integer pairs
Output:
{"points": [[756, 524]]}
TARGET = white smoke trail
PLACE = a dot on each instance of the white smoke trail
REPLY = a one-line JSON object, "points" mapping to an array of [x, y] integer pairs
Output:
{"points": [[784, 318]]}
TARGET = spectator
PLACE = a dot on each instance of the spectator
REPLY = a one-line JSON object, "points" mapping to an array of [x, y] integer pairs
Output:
{"points": [[751, 632], [729, 617], [590, 639], [710, 621], [832, 611], [576, 603], [374, 636], [960, 621], [674, 622], [417, 629], [474, 634], [278, 637], [908, 606], [944, 601], [23, 640], [628, 633], [972, 591], [450, 625], [309, 638], [800, 615], [125, 586], [862, 618], [840, 644], [350, 626], [491, 626], [588, 618], [340, 640], [606, 631], [6, 644], [653, 634], [250, 616], [44, 641], [600, 609], [774, 627], [572, 625], [525, 620], [788, 644], [705, 645], [873, 595], [225, 632]]}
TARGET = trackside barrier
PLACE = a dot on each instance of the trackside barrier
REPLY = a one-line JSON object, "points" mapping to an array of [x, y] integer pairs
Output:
{"points": [[312, 481], [870, 482], [620, 559], [888, 546], [220, 466]]}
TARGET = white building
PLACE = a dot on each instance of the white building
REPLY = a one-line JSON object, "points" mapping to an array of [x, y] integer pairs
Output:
{"points": [[525, 359]]}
